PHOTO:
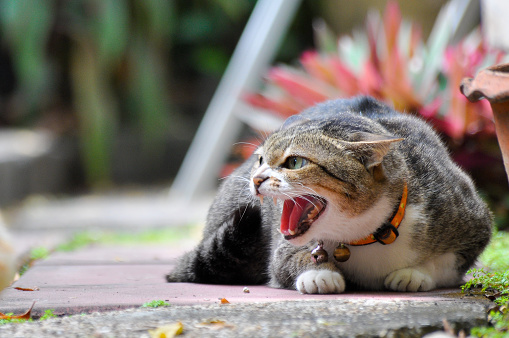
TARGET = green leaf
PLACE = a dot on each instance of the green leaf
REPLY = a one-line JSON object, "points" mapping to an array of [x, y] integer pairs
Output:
{"points": [[111, 31]]}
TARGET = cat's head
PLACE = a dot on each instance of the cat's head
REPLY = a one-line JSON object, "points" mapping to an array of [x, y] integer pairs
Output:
{"points": [[327, 173]]}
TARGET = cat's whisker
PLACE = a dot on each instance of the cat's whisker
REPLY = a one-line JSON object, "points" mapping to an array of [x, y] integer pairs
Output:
{"points": [[308, 188], [289, 196], [302, 194], [245, 192], [247, 144], [243, 213], [237, 177]]}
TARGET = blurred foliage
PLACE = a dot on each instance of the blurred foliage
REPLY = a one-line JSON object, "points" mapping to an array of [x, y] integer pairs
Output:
{"points": [[93, 55], [97, 67]]}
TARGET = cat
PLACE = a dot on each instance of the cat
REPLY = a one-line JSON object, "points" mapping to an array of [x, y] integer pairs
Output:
{"points": [[350, 178]]}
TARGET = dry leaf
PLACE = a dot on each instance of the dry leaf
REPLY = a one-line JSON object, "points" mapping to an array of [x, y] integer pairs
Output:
{"points": [[26, 315], [35, 288], [223, 301], [167, 331]]}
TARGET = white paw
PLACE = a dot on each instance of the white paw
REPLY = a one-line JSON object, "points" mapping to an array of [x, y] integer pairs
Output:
{"points": [[320, 281], [409, 280]]}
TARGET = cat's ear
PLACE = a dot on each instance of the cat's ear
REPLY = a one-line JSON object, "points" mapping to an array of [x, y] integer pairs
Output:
{"points": [[369, 148], [293, 121]]}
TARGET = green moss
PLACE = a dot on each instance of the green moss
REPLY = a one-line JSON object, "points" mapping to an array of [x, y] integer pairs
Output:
{"points": [[496, 255], [496, 277], [35, 254], [39, 253], [153, 236], [156, 303], [47, 314], [6, 321]]}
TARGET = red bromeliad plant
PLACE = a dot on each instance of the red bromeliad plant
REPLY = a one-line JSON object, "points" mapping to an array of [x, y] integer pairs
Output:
{"points": [[388, 62]]}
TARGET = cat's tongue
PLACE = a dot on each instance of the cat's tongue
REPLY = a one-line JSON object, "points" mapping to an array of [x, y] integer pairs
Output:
{"points": [[294, 212]]}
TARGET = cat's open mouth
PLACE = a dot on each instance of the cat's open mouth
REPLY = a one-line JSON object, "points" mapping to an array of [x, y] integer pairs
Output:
{"points": [[299, 213]]}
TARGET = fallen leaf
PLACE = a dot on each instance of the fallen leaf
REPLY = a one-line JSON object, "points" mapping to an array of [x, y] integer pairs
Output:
{"points": [[26, 315], [167, 331], [246, 289], [223, 301], [35, 288]]}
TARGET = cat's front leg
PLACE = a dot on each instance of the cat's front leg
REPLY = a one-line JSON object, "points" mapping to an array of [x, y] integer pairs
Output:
{"points": [[320, 281], [293, 268]]}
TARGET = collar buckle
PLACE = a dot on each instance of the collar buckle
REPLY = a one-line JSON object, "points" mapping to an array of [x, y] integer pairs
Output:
{"points": [[386, 234]]}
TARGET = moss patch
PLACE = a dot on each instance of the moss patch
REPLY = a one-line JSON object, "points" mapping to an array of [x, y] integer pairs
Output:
{"points": [[495, 280]]}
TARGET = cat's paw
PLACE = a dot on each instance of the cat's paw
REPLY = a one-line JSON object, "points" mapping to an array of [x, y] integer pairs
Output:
{"points": [[409, 279], [320, 281]]}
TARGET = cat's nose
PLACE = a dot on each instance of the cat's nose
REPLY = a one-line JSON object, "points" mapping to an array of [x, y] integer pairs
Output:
{"points": [[258, 180]]}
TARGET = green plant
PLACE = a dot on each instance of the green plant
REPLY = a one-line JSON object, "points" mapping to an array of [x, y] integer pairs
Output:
{"points": [[39, 253], [48, 314], [79, 240], [152, 236], [496, 255], [6, 321], [156, 303], [388, 61], [35, 254], [496, 280], [110, 54]]}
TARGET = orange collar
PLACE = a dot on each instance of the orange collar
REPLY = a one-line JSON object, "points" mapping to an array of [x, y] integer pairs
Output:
{"points": [[388, 232]]}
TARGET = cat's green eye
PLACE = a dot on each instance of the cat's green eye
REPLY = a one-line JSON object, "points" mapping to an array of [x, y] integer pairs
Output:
{"points": [[295, 162]]}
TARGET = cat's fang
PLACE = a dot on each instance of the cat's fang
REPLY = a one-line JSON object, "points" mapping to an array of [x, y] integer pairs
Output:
{"points": [[261, 199], [291, 232], [275, 200], [312, 214]]}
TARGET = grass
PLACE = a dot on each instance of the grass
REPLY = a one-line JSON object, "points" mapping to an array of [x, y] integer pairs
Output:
{"points": [[495, 279], [80, 240], [35, 254], [156, 303], [152, 236]]}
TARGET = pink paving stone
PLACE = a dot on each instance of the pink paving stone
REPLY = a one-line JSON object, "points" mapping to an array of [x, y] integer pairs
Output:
{"points": [[111, 278]]}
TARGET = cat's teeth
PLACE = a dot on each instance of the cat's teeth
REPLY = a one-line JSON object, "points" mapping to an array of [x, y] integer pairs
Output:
{"points": [[313, 212], [275, 200], [291, 232], [261, 199]]}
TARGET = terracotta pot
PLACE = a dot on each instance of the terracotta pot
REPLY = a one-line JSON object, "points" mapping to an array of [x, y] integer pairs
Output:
{"points": [[492, 84]]}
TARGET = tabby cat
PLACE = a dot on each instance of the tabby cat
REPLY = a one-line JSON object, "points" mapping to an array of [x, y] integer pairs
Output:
{"points": [[348, 193]]}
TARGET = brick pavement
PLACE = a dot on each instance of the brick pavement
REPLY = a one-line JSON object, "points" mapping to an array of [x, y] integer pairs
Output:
{"points": [[109, 278]]}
